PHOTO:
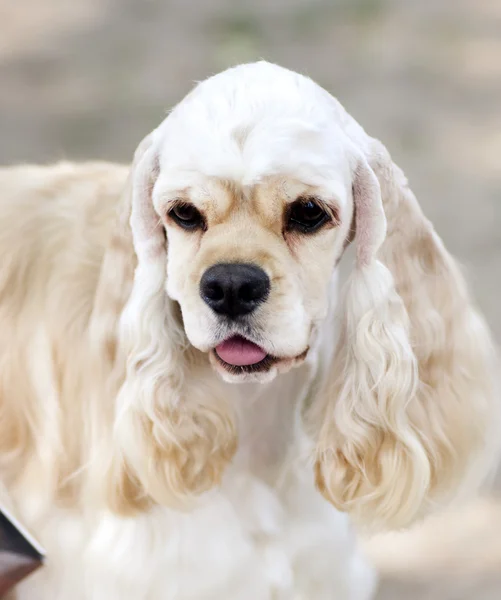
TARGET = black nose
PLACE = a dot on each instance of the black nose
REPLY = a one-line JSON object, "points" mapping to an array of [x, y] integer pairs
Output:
{"points": [[234, 289]]}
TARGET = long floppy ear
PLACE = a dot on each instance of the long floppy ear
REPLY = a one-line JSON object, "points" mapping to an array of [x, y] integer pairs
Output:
{"points": [[173, 432], [408, 418]]}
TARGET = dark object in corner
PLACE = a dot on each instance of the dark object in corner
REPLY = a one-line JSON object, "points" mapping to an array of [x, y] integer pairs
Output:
{"points": [[20, 554]]}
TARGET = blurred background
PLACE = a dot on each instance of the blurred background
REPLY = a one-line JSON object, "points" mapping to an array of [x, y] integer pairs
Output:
{"points": [[89, 78]]}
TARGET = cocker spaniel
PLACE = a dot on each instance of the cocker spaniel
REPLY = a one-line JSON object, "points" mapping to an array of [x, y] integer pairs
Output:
{"points": [[186, 411]]}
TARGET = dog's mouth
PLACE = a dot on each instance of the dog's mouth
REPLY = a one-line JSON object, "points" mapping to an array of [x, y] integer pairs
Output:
{"points": [[239, 355]]}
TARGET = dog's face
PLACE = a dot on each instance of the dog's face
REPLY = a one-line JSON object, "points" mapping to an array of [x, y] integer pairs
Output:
{"points": [[256, 214]]}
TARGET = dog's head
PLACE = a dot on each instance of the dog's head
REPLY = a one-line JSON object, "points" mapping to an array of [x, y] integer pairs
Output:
{"points": [[251, 182], [243, 201]]}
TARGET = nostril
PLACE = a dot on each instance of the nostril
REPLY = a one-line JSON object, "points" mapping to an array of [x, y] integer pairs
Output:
{"points": [[214, 291], [249, 292]]}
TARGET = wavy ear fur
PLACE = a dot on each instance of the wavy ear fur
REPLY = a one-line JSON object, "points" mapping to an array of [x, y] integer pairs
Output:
{"points": [[172, 436], [409, 417]]}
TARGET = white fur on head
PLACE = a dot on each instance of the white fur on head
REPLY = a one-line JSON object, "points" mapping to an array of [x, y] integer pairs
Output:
{"points": [[408, 416], [174, 436]]}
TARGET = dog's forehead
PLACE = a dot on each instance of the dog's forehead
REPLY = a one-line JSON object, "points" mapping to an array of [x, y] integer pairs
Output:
{"points": [[253, 122]]}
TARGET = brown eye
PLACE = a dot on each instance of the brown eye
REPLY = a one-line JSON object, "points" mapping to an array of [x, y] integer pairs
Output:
{"points": [[187, 216], [306, 216]]}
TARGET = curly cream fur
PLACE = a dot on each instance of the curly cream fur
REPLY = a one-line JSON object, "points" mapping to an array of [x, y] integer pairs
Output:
{"points": [[411, 410]]}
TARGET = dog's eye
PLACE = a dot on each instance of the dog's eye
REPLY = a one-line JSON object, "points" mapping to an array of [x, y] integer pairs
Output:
{"points": [[306, 216], [187, 216]]}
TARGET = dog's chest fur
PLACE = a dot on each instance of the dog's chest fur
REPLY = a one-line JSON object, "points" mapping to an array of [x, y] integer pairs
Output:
{"points": [[266, 534]]}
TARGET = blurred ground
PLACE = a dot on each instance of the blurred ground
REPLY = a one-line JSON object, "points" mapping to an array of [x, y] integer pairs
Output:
{"points": [[89, 78]]}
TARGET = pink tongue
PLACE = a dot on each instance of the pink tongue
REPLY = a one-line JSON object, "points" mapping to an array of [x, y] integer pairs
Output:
{"points": [[239, 352]]}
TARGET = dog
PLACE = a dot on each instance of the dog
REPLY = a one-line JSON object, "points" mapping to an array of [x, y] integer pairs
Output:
{"points": [[187, 409]]}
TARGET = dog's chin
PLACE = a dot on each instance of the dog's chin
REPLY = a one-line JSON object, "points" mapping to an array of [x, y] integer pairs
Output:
{"points": [[262, 372]]}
